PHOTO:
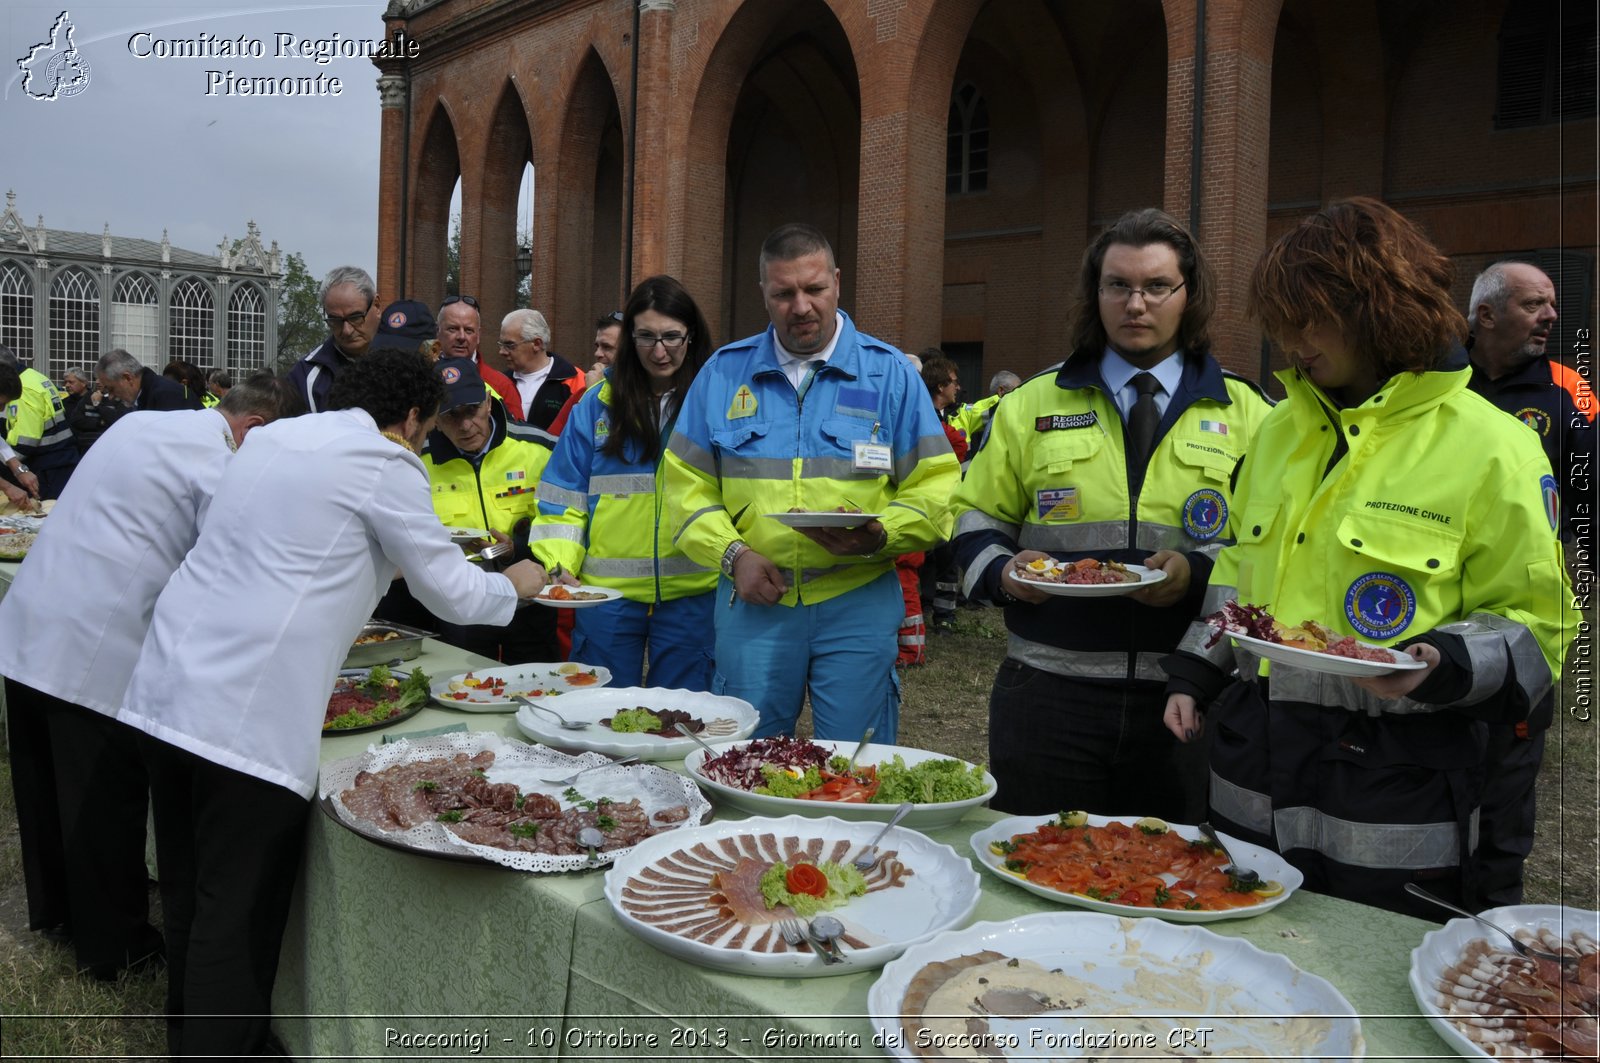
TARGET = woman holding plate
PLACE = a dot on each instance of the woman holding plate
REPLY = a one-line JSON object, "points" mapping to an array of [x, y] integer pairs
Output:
{"points": [[1388, 503], [600, 504]]}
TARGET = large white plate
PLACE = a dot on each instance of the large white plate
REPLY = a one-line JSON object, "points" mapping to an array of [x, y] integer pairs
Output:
{"points": [[926, 816], [515, 762], [1266, 863], [463, 536], [725, 718], [528, 680], [1327, 663], [823, 519], [1147, 577], [941, 893], [1442, 949], [1130, 968], [607, 594]]}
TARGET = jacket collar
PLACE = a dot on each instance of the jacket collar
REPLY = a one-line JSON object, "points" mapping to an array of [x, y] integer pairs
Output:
{"points": [[441, 450], [1202, 376], [845, 360], [1403, 394]]}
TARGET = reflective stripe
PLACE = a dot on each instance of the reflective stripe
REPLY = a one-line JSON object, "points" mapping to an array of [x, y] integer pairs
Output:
{"points": [[977, 520], [816, 468], [808, 575], [927, 447], [1331, 691], [1219, 655], [1216, 596], [691, 518], [1247, 808], [563, 497], [913, 640], [1089, 535], [906, 505], [974, 572], [680, 565], [60, 434], [687, 451], [1401, 846], [311, 388], [915, 618], [1082, 663], [623, 484], [568, 532], [739, 467], [1164, 537], [1494, 643], [619, 567]]}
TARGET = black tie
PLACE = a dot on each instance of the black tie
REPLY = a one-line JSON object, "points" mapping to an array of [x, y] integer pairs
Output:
{"points": [[1144, 416]]}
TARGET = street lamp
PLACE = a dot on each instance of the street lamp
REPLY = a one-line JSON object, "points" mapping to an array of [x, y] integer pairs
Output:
{"points": [[524, 261]]}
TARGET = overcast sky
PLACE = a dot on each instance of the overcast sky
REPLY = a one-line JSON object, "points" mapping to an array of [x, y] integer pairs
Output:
{"points": [[145, 148]]}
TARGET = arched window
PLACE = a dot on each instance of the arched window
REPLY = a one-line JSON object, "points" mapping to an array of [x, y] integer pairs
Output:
{"points": [[247, 330], [1547, 66], [967, 142], [74, 322], [136, 318], [192, 321], [16, 310]]}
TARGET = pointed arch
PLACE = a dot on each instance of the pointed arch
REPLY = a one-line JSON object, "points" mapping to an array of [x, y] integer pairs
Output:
{"points": [[74, 321], [16, 308], [585, 212], [434, 173], [490, 259], [247, 329], [191, 321], [136, 316]]}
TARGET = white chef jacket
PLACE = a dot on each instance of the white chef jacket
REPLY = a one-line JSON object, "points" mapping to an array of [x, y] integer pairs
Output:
{"points": [[78, 610], [303, 537]]}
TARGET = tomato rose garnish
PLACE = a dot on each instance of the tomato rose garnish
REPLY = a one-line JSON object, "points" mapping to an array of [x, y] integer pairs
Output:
{"points": [[806, 878]]}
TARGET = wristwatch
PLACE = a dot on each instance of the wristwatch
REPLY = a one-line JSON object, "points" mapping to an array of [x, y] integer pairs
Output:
{"points": [[731, 554], [883, 541], [20, 467]]}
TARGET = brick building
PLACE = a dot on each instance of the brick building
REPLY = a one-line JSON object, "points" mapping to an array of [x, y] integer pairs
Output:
{"points": [[962, 152]]}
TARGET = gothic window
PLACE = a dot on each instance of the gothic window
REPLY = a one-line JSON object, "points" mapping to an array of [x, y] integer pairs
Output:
{"points": [[74, 322], [1546, 64], [192, 321], [136, 318], [247, 330], [16, 310], [967, 142]]}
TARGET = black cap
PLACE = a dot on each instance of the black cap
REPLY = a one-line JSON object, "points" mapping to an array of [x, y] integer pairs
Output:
{"points": [[462, 384], [406, 325]]}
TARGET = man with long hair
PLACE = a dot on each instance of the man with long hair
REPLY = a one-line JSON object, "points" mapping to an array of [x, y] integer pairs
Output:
{"points": [[1125, 454]]}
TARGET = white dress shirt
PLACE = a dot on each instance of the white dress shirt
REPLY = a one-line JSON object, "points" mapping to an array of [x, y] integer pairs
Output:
{"points": [[80, 605], [303, 537]]}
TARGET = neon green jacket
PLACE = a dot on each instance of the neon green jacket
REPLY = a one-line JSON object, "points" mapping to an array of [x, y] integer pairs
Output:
{"points": [[969, 418], [501, 490], [37, 419]]}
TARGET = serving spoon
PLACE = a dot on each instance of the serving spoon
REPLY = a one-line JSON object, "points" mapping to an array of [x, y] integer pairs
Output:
{"points": [[866, 736], [566, 724], [824, 931], [1522, 949], [570, 779], [1242, 879], [591, 839]]}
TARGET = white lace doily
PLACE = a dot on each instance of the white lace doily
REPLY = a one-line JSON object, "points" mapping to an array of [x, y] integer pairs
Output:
{"points": [[524, 765]]}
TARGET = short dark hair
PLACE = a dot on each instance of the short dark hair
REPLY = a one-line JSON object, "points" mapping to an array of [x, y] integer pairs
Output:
{"points": [[10, 383], [789, 242], [611, 320], [387, 384], [1141, 228], [937, 369], [264, 395]]}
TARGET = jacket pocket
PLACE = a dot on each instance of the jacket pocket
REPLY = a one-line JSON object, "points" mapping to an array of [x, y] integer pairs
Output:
{"points": [[1416, 545], [740, 436], [1054, 455], [1213, 464], [1256, 523]]}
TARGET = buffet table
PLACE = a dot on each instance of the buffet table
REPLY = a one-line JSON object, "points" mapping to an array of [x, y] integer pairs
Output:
{"points": [[392, 955]]}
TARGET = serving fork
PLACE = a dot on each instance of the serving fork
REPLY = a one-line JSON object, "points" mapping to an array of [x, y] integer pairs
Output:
{"points": [[570, 779], [868, 857]]}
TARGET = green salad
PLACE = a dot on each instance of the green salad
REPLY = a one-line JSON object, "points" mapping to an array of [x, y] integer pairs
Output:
{"points": [[635, 720], [843, 882], [349, 706], [890, 782]]}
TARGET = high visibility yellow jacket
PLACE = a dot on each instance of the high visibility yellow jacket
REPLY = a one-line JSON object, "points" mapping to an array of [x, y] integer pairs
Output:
{"points": [[745, 446], [1054, 475], [601, 515], [1421, 507], [496, 492], [37, 420], [969, 418]]}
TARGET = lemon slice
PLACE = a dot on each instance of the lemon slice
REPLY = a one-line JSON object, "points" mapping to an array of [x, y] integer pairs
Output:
{"points": [[569, 668], [1075, 818], [1151, 825], [1270, 888]]}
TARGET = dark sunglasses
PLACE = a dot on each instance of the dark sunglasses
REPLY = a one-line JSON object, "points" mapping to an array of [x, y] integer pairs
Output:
{"points": [[469, 300]]}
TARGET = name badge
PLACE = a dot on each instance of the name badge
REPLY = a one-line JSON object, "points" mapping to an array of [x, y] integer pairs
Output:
{"points": [[873, 457]]}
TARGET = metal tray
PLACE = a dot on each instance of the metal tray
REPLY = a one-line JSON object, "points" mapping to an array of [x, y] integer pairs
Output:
{"points": [[407, 647]]}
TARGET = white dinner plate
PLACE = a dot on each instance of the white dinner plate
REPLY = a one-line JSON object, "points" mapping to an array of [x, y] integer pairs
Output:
{"points": [[823, 519], [462, 536], [1129, 980], [724, 717], [923, 816], [656, 789], [527, 680], [1148, 577], [1327, 663], [1441, 949], [662, 892], [1264, 862], [607, 594]]}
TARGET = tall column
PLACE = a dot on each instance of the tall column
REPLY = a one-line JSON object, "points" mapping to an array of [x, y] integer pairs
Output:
{"points": [[650, 149], [393, 165]]}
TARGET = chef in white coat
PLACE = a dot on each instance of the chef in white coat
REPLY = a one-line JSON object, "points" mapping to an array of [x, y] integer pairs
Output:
{"points": [[74, 620], [305, 532]]}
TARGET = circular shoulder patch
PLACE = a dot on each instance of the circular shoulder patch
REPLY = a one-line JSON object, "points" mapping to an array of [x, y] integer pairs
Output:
{"points": [[450, 375], [1380, 605], [397, 319], [1552, 500], [1535, 419], [1205, 514]]}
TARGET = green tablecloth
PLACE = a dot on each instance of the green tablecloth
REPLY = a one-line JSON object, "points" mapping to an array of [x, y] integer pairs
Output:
{"points": [[394, 955]]}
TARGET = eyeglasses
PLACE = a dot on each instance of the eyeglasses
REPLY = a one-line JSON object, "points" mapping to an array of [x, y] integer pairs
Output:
{"points": [[469, 300], [1154, 294], [511, 345], [670, 340], [353, 320]]}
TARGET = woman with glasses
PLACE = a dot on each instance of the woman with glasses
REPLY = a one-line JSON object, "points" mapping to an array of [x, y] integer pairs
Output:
{"points": [[1385, 501], [600, 505]]}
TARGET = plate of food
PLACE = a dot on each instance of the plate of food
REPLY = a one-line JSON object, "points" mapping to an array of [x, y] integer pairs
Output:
{"points": [[483, 796], [1132, 866], [380, 641], [832, 518], [32, 507], [1086, 578], [1307, 645], [14, 545], [714, 895], [561, 596], [792, 776], [640, 721], [1082, 985], [491, 689], [467, 536], [365, 699], [1485, 1001]]}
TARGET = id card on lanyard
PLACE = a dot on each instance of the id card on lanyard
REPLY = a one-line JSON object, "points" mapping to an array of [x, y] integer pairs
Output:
{"points": [[872, 456]]}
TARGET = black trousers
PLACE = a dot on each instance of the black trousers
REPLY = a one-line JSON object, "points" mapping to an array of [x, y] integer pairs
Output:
{"points": [[1506, 818], [82, 798], [230, 847]]}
